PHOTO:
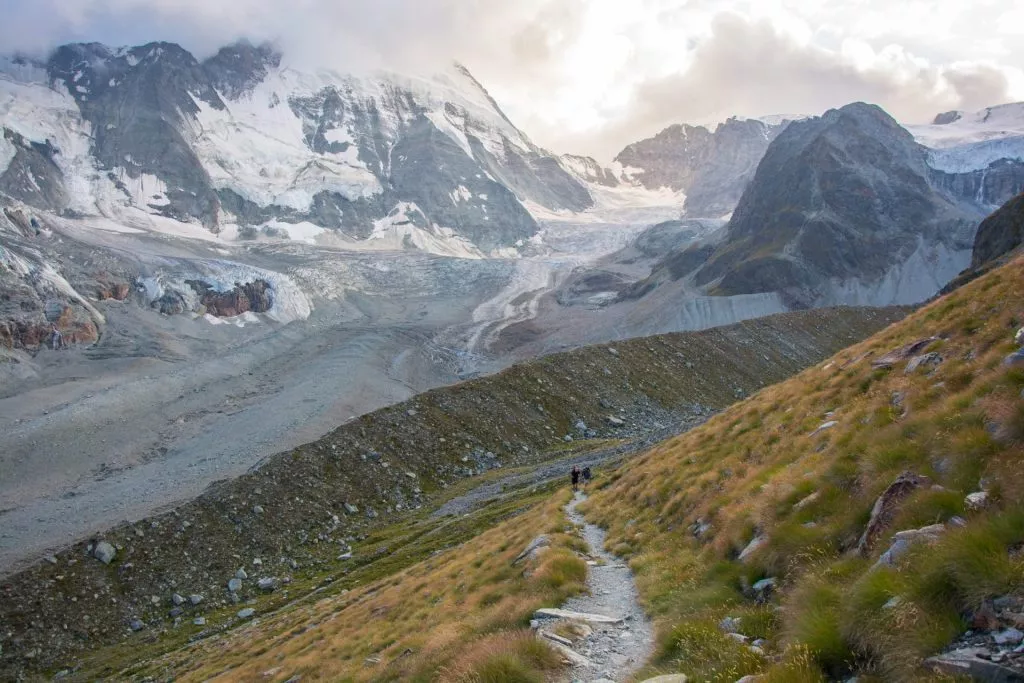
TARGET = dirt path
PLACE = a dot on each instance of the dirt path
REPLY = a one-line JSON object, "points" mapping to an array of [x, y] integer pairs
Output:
{"points": [[616, 651], [559, 469]]}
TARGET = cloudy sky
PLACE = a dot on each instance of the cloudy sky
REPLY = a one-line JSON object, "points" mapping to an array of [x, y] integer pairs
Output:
{"points": [[590, 76]]}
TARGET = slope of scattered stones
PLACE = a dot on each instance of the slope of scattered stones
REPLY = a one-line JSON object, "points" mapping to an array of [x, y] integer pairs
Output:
{"points": [[297, 515]]}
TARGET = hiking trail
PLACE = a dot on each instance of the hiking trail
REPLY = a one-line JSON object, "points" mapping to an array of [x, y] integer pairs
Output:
{"points": [[615, 648]]}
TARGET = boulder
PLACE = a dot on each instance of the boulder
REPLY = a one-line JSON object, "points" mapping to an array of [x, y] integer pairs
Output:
{"points": [[804, 502], [886, 506], [895, 356], [667, 678], [1015, 359], [920, 361], [973, 662], [104, 552], [235, 585], [267, 583], [729, 625], [532, 549], [195, 598], [246, 613], [752, 547], [977, 500], [904, 540], [825, 427]]}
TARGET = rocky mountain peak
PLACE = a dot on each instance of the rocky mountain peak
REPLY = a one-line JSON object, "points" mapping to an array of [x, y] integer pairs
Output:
{"points": [[712, 168], [236, 69]]}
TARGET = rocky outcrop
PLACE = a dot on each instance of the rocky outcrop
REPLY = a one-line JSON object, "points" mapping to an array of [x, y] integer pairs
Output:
{"points": [[255, 296], [1000, 233], [712, 168]]}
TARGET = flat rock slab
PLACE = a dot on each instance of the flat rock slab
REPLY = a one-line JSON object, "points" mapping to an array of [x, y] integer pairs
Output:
{"points": [[555, 613], [668, 678], [575, 658], [966, 662]]}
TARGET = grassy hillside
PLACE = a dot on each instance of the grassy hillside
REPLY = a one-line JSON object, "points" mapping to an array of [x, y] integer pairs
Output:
{"points": [[451, 604], [297, 513], [799, 467]]}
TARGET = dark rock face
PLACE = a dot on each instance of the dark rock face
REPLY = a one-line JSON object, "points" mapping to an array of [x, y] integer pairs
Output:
{"points": [[255, 296], [1000, 233], [141, 103], [712, 168], [236, 69], [429, 168], [32, 176], [947, 117], [992, 186], [846, 195]]}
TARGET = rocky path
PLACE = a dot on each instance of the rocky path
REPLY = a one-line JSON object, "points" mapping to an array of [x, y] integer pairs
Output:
{"points": [[559, 469], [618, 637]]}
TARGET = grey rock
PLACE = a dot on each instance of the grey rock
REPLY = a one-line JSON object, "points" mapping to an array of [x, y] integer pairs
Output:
{"points": [[904, 540], [268, 583], [1010, 636], [199, 621], [532, 549], [177, 599], [729, 625], [752, 547], [1015, 359], [351, 509], [257, 509], [765, 585], [977, 500], [825, 427], [916, 362], [176, 612], [104, 552], [241, 574], [246, 613], [969, 662], [136, 625], [235, 585], [195, 598]]}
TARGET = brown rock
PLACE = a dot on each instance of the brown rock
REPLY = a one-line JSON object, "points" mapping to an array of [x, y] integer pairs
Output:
{"points": [[252, 296], [886, 506]]}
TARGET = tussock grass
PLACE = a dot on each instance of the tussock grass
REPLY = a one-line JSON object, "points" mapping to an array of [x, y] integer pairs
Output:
{"points": [[460, 614], [750, 470]]}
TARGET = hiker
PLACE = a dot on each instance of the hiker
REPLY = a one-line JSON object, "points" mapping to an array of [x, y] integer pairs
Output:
{"points": [[586, 477], [575, 478], [56, 338]]}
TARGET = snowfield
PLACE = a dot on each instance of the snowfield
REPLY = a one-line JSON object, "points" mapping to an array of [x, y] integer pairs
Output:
{"points": [[975, 139]]}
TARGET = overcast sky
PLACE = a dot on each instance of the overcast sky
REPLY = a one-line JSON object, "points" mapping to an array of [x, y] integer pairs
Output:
{"points": [[590, 76]]}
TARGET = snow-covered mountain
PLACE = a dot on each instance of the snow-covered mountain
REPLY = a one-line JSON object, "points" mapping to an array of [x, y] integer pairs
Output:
{"points": [[243, 143]]}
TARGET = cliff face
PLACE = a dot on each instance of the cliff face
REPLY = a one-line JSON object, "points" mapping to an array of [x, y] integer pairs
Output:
{"points": [[1000, 233]]}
